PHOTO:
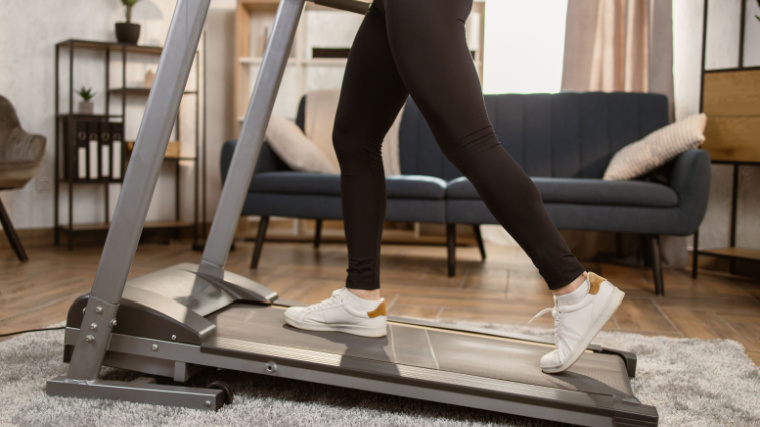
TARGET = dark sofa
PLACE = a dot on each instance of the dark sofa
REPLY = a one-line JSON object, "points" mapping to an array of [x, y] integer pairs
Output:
{"points": [[563, 141]]}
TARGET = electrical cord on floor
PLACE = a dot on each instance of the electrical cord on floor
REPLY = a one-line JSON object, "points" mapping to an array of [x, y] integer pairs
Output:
{"points": [[31, 330]]}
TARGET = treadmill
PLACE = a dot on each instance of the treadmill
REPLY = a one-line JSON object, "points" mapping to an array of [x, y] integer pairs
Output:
{"points": [[177, 321]]}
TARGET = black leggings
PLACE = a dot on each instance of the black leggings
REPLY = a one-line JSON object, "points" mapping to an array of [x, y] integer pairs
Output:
{"points": [[418, 48]]}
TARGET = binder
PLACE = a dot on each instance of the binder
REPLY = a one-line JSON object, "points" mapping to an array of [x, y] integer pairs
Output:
{"points": [[81, 141], [93, 148], [117, 150], [105, 150]]}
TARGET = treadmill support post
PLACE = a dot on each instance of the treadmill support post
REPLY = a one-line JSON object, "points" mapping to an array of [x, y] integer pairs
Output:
{"points": [[251, 137]]}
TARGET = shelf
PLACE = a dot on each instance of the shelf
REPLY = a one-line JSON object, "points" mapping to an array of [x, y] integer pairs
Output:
{"points": [[66, 52], [153, 225], [143, 91], [91, 181], [729, 252], [89, 116], [271, 6], [721, 70], [296, 61], [89, 44]]}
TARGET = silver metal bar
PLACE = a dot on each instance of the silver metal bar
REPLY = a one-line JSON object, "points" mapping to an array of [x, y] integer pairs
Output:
{"points": [[139, 184], [139, 391], [251, 137], [556, 404]]}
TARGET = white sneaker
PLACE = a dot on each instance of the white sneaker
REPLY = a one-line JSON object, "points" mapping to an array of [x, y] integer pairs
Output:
{"points": [[342, 312], [578, 317]]}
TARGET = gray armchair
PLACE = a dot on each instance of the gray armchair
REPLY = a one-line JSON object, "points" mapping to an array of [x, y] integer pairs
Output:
{"points": [[21, 156]]}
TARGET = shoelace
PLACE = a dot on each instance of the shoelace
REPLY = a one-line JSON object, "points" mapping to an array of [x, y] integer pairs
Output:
{"points": [[335, 298], [555, 314]]}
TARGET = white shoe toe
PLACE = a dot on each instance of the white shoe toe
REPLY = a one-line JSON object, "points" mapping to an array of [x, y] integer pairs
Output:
{"points": [[550, 360]]}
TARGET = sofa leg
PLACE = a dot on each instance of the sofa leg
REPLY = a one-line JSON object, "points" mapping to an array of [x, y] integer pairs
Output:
{"points": [[479, 239], [5, 220], [451, 244], [263, 223], [318, 233], [654, 257], [694, 254]]}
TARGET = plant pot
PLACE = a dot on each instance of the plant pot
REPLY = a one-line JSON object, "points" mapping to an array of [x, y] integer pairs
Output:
{"points": [[85, 107], [127, 32]]}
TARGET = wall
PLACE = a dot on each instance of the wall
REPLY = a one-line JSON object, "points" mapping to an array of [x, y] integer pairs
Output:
{"points": [[29, 30], [722, 52]]}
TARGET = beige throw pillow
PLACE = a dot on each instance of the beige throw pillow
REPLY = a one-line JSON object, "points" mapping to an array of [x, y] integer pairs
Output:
{"points": [[295, 149], [320, 109], [657, 148]]}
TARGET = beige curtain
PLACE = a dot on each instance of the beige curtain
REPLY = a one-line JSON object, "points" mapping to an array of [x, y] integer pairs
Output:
{"points": [[613, 46], [619, 45]]}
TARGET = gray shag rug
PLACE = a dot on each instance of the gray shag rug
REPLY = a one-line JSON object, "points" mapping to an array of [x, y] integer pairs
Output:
{"points": [[689, 381]]}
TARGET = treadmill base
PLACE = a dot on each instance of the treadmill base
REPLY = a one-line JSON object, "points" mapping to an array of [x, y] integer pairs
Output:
{"points": [[142, 390]]}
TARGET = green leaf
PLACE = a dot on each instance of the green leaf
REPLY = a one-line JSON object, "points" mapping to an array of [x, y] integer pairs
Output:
{"points": [[86, 93]]}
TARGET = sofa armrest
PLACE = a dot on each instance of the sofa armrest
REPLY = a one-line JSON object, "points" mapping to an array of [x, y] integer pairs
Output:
{"points": [[690, 178]]}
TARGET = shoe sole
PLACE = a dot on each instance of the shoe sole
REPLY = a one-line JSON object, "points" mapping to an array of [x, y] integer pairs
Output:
{"points": [[362, 331], [613, 302]]}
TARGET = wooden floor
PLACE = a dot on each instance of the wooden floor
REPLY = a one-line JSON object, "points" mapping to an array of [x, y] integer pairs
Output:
{"points": [[506, 288]]}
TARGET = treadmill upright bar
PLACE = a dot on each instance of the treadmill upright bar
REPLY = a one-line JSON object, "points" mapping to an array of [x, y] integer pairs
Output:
{"points": [[251, 137], [138, 187]]}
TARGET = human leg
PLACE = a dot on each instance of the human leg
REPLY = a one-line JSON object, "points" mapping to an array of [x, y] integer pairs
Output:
{"points": [[371, 97], [428, 43], [427, 39]]}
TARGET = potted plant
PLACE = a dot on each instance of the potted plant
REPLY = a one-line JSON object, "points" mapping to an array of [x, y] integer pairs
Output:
{"points": [[85, 105], [127, 32]]}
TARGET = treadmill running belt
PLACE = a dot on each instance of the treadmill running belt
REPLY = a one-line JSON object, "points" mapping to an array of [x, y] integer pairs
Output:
{"points": [[452, 351]]}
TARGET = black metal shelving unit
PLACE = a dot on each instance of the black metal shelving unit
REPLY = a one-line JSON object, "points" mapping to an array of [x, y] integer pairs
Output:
{"points": [[65, 140], [731, 252]]}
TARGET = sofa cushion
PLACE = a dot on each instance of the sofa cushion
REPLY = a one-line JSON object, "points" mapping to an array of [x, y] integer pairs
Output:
{"points": [[585, 191], [400, 186], [415, 187]]}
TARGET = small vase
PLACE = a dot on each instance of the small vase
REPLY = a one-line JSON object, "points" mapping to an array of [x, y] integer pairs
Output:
{"points": [[85, 107], [127, 32]]}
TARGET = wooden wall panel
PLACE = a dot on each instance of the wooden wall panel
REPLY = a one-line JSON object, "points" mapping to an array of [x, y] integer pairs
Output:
{"points": [[732, 93], [733, 138], [731, 100]]}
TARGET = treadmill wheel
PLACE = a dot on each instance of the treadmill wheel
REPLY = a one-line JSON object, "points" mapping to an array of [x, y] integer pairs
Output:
{"points": [[221, 385]]}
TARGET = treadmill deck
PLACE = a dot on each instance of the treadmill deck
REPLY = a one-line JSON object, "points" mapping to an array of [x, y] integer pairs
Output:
{"points": [[242, 327]]}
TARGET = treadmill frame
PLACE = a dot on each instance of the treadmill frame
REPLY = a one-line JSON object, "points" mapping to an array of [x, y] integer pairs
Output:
{"points": [[97, 341]]}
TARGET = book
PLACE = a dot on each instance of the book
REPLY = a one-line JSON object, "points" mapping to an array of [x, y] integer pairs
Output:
{"points": [[105, 150], [93, 147], [81, 134]]}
